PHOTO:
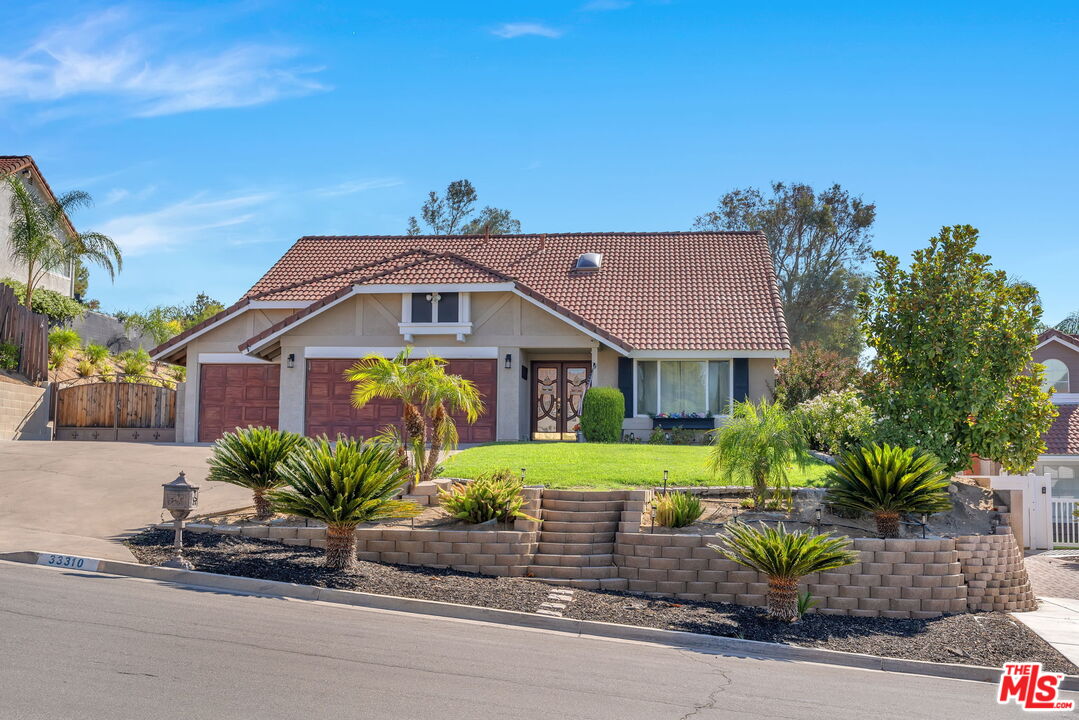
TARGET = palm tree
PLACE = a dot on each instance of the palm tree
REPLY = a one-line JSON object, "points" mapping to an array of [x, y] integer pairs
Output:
{"points": [[42, 239], [427, 392], [759, 444], [886, 481], [785, 557], [343, 484], [1070, 324], [249, 458]]}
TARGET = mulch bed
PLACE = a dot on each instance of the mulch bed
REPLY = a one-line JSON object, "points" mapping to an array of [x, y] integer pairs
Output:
{"points": [[987, 639]]}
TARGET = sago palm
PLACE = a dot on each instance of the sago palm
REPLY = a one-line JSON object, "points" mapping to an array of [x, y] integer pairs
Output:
{"points": [[885, 481], [42, 240], [785, 557], [759, 444], [343, 484], [249, 458]]}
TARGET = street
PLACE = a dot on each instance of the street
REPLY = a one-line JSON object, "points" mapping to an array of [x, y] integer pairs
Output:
{"points": [[95, 646]]}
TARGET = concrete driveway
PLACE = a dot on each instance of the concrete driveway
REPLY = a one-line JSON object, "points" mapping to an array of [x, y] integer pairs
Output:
{"points": [[83, 498]]}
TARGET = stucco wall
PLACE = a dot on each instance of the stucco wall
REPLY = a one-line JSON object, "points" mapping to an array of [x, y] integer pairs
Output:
{"points": [[59, 281], [1066, 355]]}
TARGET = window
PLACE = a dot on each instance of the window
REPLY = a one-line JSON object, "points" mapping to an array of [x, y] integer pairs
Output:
{"points": [[435, 307], [683, 386], [1056, 376]]}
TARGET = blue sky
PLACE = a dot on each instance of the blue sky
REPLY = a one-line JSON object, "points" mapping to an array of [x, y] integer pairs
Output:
{"points": [[213, 135]]}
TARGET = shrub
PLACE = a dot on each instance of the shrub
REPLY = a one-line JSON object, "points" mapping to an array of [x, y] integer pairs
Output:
{"points": [[758, 445], [677, 509], [62, 342], [886, 480], [134, 362], [96, 354], [785, 557], [811, 371], [179, 373], [601, 414], [58, 308], [85, 368], [342, 485], [836, 422], [491, 496], [249, 458], [658, 436], [9, 356]]}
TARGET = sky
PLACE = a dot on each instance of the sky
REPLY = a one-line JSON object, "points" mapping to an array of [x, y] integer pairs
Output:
{"points": [[212, 135]]}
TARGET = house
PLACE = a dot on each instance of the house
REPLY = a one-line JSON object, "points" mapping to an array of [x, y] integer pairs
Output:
{"points": [[25, 169], [682, 322], [1059, 352]]}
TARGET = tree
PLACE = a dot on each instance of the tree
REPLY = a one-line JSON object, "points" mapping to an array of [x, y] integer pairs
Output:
{"points": [[427, 393], [785, 557], [759, 444], [1069, 325], [811, 371], [953, 373], [342, 484], [165, 321], [449, 214], [250, 458], [41, 240], [818, 243]]}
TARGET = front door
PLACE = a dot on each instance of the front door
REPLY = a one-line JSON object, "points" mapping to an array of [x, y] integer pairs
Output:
{"points": [[557, 393]]}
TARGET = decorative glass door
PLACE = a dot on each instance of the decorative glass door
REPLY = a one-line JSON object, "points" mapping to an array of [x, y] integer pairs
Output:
{"points": [[557, 396]]}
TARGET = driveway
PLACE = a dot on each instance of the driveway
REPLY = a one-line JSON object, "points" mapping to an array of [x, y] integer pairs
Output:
{"points": [[83, 498]]}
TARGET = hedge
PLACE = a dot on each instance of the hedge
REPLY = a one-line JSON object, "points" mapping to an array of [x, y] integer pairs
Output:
{"points": [[601, 414]]}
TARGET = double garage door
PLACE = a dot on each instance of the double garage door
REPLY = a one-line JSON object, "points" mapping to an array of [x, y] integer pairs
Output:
{"points": [[329, 408], [233, 396]]}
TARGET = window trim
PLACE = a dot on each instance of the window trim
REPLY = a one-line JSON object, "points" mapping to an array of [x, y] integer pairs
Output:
{"points": [[460, 328], [707, 382]]}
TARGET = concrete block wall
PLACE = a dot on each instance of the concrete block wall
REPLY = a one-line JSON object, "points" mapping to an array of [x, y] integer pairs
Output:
{"points": [[995, 575], [895, 578]]}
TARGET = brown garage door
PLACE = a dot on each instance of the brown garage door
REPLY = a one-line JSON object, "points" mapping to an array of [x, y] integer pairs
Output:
{"points": [[232, 396], [330, 412]]}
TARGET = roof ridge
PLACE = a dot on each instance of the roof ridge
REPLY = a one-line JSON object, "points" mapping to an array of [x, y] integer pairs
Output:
{"points": [[336, 273], [607, 233]]}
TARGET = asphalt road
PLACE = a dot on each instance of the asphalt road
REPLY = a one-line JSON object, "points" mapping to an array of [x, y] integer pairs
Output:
{"points": [[89, 646]]}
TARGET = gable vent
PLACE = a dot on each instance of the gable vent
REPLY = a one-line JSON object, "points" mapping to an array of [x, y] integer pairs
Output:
{"points": [[589, 261]]}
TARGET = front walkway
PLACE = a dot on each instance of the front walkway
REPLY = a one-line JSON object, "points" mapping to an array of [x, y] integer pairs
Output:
{"points": [[83, 498], [1055, 580]]}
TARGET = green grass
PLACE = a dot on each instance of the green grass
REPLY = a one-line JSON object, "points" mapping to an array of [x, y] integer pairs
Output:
{"points": [[594, 465]]}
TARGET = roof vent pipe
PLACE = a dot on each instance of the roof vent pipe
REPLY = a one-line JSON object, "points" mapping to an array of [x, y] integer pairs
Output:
{"points": [[543, 241]]}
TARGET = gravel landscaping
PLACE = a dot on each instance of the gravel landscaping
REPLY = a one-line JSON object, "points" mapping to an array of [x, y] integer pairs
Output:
{"points": [[987, 639], [234, 555]]}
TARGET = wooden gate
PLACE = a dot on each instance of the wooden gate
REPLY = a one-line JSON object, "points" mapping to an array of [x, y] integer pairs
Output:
{"points": [[124, 409]]}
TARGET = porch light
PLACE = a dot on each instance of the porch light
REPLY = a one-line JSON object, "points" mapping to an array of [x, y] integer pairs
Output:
{"points": [[509, 361], [291, 361]]}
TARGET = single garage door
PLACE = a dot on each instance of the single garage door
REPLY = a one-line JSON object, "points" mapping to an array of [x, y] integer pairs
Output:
{"points": [[329, 408], [240, 395]]}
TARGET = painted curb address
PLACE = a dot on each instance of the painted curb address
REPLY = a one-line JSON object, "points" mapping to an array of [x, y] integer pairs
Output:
{"points": [[585, 628]]}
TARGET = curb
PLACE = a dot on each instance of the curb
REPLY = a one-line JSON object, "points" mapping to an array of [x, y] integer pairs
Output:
{"points": [[584, 628]]}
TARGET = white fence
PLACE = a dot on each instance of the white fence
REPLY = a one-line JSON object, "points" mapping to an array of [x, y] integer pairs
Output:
{"points": [[1065, 524]]}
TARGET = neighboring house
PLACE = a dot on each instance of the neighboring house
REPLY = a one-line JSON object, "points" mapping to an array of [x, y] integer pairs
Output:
{"points": [[24, 168], [681, 322], [1059, 352]]}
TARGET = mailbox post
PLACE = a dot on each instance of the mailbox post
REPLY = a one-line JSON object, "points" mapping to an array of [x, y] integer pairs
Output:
{"points": [[180, 498]]}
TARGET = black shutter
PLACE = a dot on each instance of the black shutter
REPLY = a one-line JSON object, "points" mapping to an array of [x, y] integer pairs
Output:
{"points": [[741, 379], [625, 382]]}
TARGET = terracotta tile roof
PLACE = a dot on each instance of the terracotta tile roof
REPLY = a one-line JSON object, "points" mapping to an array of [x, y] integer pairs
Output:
{"points": [[16, 163], [1054, 333], [1063, 435], [655, 291]]}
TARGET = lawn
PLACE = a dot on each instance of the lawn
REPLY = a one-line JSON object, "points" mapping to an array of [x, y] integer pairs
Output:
{"points": [[589, 465]]}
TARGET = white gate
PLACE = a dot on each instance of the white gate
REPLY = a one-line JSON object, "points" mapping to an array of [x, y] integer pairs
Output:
{"points": [[1036, 513], [1065, 524]]}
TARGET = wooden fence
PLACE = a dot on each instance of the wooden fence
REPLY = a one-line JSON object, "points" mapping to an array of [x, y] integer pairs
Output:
{"points": [[29, 331], [123, 409]]}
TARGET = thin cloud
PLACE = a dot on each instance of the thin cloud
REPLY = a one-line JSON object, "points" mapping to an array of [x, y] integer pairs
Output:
{"points": [[355, 186], [110, 55], [523, 29], [186, 222]]}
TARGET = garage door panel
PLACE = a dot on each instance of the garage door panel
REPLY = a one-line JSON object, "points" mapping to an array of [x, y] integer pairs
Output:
{"points": [[237, 395], [329, 409]]}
